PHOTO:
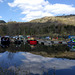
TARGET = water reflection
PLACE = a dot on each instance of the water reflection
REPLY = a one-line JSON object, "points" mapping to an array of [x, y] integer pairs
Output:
{"points": [[40, 65], [71, 46], [10, 55], [33, 46], [22, 63]]}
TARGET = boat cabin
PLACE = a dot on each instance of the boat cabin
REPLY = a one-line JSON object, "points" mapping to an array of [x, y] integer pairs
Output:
{"points": [[5, 41]]}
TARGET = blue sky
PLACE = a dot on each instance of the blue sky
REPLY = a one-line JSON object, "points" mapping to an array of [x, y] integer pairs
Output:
{"points": [[26, 10]]}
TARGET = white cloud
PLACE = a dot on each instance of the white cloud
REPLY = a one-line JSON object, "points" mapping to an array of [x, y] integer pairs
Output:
{"points": [[0, 16], [36, 64], [1, 0], [33, 9]]}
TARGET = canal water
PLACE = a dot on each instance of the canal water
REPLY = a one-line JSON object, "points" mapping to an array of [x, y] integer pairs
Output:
{"points": [[15, 60]]}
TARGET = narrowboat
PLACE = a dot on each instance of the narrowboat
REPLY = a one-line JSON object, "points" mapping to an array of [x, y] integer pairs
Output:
{"points": [[17, 41], [5, 41], [32, 41]]}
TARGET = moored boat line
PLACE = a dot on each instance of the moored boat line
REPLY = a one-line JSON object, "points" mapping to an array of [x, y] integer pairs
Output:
{"points": [[33, 41]]}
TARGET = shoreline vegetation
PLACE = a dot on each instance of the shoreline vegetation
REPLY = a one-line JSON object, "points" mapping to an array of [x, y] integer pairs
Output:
{"points": [[55, 51], [66, 55]]}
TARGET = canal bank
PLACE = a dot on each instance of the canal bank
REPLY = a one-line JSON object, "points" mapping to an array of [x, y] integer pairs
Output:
{"points": [[56, 51], [68, 55]]}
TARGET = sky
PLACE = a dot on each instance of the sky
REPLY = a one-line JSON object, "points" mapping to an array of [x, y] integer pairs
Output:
{"points": [[27, 10]]}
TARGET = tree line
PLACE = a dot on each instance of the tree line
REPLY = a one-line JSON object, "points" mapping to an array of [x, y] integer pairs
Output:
{"points": [[48, 28]]}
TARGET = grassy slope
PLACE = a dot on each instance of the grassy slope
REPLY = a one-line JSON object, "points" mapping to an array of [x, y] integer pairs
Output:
{"points": [[69, 20]]}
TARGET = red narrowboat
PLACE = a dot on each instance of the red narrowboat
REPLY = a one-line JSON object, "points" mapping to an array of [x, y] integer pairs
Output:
{"points": [[32, 41]]}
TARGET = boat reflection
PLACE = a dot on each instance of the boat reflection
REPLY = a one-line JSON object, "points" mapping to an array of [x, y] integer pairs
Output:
{"points": [[72, 47], [71, 44], [33, 46]]}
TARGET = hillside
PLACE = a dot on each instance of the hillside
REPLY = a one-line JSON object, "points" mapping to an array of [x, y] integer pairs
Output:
{"points": [[68, 20], [46, 26]]}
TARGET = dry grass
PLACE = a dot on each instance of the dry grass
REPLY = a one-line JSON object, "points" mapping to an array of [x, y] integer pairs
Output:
{"points": [[68, 54], [65, 20]]}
